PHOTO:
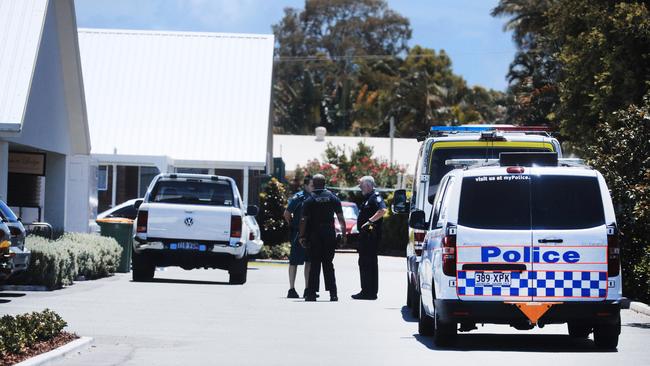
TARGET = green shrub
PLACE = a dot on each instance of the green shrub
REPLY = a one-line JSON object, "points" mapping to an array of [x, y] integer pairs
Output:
{"points": [[55, 264], [23, 331], [280, 251], [394, 232]]}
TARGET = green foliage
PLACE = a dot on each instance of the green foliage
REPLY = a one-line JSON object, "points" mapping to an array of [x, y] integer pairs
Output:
{"points": [[345, 65], [273, 202], [394, 232], [344, 171], [17, 333], [280, 251], [55, 264], [620, 153]]}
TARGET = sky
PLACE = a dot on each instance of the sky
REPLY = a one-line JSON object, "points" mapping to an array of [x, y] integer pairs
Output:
{"points": [[479, 49]]}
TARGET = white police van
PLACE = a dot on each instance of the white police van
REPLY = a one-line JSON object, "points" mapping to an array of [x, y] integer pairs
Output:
{"points": [[459, 142], [526, 240]]}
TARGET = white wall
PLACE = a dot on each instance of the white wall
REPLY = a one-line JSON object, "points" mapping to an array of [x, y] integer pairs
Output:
{"points": [[77, 209]]}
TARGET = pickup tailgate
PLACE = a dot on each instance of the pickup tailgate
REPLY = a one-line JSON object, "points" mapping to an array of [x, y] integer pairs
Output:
{"points": [[189, 222]]}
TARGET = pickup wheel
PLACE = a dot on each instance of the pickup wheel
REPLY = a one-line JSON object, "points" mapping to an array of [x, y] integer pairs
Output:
{"points": [[238, 271], [606, 335], [142, 268], [577, 330], [426, 324]]}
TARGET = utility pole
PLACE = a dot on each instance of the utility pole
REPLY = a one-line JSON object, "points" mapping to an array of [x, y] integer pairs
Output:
{"points": [[391, 133]]}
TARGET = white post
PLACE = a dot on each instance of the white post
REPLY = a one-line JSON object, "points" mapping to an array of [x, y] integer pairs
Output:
{"points": [[392, 135], [114, 189], [245, 186], [4, 169]]}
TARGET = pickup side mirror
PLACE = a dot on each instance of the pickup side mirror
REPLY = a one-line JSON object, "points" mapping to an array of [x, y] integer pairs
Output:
{"points": [[137, 204], [400, 205], [252, 211], [417, 220]]}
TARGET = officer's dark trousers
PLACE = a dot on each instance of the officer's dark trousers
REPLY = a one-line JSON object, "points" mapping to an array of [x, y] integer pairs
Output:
{"points": [[368, 268], [322, 243]]}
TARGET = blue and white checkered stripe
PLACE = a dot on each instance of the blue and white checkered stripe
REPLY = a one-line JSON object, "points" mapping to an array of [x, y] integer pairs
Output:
{"points": [[540, 284]]}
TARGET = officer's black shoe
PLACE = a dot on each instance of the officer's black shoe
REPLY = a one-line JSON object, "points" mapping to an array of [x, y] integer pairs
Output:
{"points": [[304, 294], [310, 298], [333, 296], [292, 294], [362, 296]]}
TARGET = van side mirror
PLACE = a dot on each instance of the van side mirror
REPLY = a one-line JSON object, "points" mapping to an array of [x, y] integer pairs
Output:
{"points": [[252, 211], [417, 220], [400, 205], [137, 204]]}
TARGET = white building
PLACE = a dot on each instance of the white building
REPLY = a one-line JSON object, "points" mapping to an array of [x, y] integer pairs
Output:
{"points": [[300, 149], [44, 140], [176, 102]]}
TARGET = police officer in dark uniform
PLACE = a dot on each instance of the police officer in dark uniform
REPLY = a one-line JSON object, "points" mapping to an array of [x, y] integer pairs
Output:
{"points": [[318, 235], [369, 222]]}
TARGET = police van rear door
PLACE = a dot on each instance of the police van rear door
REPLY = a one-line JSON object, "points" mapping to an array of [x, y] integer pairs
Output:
{"points": [[494, 237], [569, 236]]}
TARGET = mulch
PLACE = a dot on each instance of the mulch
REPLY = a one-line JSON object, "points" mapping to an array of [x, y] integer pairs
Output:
{"points": [[40, 347]]}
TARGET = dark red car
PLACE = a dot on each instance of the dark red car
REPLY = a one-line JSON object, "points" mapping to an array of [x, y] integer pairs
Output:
{"points": [[350, 213]]}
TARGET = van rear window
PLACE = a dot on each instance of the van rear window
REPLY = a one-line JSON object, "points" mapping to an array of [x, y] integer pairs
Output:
{"points": [[522, 202], [217, 193]]}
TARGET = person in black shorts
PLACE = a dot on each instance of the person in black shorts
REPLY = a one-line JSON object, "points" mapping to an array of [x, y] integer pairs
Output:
{"points": [[318, 235], [298, 255]]}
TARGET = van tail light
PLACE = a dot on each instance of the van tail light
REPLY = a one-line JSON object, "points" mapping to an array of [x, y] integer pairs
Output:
{"points": [[418, 238], [449, 252], [613, 252], [141, 223], [235, 226]]}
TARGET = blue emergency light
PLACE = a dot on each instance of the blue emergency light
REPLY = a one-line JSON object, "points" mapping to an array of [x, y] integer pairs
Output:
{"points": [[461, 128]]}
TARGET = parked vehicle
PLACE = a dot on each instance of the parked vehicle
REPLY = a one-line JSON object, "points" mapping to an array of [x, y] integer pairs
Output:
{"points": [[20, 255], [526, 240], [126, 210], [350, 214], [6, 263], [194, 221], [460, 142]]}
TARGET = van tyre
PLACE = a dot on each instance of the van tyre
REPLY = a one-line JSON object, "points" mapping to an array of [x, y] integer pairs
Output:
{"points": [[445, 331], [606, 335], [426, 324], [142, 268], [580, 331], [238, 271], [409, 293]]}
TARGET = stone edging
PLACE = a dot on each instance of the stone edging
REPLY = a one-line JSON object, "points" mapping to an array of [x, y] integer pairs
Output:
{"points": [[57, 353], [640, 307]]}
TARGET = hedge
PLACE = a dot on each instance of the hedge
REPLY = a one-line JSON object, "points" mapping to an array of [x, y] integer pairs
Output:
{"points": [[280, 251], [58, 263], [17, 333]]}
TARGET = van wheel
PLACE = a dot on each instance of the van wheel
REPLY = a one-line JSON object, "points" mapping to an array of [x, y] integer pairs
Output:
{"points": [[426, 324], [445, 333], [409, 293], [142, 268], [579, 330], [238, 271], [606, 335], [415, 307]]}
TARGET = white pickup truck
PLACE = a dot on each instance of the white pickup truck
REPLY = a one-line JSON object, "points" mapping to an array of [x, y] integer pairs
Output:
{"points": [[194, 221]]}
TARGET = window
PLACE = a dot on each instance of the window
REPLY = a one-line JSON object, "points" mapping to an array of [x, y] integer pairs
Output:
{"points": [[522, 202], [438, 168], [218, 193], [563, 202], [437, 205], [495, 202], [102, 178], [128, 212], [416, 181]]}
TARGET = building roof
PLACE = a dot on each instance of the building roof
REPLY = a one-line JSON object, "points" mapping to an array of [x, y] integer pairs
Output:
{"points": [[299, 149], [196, 98], [21, 25]]}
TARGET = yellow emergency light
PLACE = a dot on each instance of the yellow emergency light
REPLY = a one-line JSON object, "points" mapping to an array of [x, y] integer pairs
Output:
{"points": [[5, 244]]}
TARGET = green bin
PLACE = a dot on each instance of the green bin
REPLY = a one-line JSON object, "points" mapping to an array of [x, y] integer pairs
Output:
{"points": [[122, 231]]}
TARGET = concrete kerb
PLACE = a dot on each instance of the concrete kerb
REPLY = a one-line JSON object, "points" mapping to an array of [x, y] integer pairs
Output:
{"points": [[640, 307], [275, 261], [55, 354]]}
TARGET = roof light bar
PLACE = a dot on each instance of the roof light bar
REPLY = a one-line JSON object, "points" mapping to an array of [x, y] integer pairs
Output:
{"points": [[464, 163], [460, 128]]}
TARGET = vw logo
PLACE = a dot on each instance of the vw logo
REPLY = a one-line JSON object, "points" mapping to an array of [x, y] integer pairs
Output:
{"points": [[189, 221]]}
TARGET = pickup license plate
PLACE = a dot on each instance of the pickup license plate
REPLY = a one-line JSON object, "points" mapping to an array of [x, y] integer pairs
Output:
{"points": [[483, 279], [187, 246]]}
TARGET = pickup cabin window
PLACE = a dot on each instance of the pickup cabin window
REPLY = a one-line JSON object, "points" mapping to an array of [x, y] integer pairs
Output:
{"points": [[211, 193]]}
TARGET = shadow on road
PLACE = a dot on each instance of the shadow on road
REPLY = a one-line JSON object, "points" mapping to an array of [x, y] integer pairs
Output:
{"points": [[407, 316], [4, 301], [516, 343], [12, 294], [638, 325], [187, 282]]}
